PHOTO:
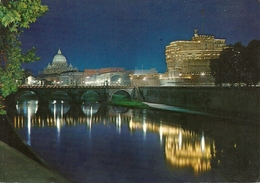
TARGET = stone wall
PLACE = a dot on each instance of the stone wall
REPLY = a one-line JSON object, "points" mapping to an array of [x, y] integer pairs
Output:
{"points": [[230, 102]]}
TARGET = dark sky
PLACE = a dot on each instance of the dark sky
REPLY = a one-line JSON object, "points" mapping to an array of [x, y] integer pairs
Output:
{"points": [[134, 33]]}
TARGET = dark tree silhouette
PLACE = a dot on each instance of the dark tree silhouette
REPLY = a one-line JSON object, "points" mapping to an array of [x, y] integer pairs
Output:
{"points": [[252, 63], [237, 64]]}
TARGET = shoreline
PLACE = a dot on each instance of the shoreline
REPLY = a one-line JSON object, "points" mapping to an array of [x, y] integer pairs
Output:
{"points": [[217, 114], [19, 162]]}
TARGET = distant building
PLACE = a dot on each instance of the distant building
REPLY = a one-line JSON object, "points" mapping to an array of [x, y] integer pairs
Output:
{"points": [[72, 79], [188, 61], [30, 80], [106, 76], [59, 65], [145, 78]]}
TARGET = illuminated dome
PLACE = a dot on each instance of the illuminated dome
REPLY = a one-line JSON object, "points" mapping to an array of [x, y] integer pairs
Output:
{"points": [[59, 58], [59, 64]]}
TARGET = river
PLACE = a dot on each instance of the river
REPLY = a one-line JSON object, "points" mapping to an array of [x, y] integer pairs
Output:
{"points": [[97, 143]]}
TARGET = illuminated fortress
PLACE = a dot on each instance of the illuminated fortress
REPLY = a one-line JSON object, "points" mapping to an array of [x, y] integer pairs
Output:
{"points": [[188, 61]]}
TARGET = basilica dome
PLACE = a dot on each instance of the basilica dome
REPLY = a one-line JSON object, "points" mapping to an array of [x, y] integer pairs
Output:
{"points": [[59, 64], [59, 58]]}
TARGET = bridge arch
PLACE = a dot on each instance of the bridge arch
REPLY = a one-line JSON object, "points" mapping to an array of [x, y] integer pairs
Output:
{"points": [[27, 94], [91, 96], [59, 94], [124, 93]]}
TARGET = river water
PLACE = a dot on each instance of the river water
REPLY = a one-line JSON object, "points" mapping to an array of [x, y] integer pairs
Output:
{"points": [[96, 143]]}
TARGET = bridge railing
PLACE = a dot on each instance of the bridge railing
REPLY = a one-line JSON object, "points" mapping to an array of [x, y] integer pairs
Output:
{"points": [[76, 87]]}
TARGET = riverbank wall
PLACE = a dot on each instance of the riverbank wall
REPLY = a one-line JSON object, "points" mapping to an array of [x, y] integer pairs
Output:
{"points": [[237, 102]]}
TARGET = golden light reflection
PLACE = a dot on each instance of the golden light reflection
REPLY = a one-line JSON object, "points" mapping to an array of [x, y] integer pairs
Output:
{"points": [[54, 119], [182, 147], [190, 155]]}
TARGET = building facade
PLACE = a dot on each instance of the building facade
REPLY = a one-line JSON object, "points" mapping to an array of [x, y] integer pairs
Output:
{"points": [[188, 61], [59, 64], [106, 76], [72, 79], [53, 70], [145, 78]]}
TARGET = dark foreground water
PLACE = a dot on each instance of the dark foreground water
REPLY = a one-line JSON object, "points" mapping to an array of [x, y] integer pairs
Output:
{"points": [[94, 143]]}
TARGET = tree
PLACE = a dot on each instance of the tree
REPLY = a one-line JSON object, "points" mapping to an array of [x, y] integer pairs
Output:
{"points": [[218, 71], [252, 64], [15, 16], [226, 68], [237, 64]]}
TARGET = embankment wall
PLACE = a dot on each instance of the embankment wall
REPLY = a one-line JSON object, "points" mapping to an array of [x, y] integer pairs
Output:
{"points": [[241, 102]]}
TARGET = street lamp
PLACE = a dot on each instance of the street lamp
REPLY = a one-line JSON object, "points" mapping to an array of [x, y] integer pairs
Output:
{"points": [[144, 79], [202, 74], [119, 81]]}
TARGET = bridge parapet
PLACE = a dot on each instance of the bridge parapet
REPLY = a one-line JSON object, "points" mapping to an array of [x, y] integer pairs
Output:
{"points": [[77, 87], [75, 92]]}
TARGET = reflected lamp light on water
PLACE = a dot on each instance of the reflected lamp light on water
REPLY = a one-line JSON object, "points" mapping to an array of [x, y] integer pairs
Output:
{"points": [[202, 143], [144, 127]]}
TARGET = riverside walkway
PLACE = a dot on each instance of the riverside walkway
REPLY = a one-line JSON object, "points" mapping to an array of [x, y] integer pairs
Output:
{"points": [[173, 108], [17, 161], [16, 167]]}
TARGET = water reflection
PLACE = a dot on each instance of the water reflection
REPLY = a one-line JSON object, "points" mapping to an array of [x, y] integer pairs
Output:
{"points": [[58, 108], [28, 109], [182, 149], [90, 108], [119, 109]]}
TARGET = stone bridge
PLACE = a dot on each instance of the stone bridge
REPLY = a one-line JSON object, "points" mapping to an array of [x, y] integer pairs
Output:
{"points": [[75, 92]]}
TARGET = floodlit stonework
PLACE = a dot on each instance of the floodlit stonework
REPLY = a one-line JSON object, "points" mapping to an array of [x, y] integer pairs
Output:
{"points": [[145, 77], [188, 61], [59, 64]]}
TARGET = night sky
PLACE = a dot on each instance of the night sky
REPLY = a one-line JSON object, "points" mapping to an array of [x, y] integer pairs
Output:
{"points": [[133, 34]]}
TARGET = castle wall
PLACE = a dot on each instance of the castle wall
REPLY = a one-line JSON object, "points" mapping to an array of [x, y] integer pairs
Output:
{"points": [[186, 59]]}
